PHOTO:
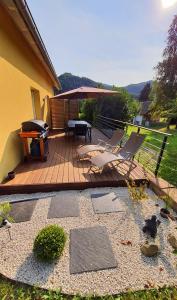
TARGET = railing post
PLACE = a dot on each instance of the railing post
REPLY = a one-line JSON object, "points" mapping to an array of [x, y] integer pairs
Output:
{"points": [[138, 131], [161, 155]]}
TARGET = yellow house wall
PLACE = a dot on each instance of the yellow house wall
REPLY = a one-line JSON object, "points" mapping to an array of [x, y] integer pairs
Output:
{"points": [[20, 71]]}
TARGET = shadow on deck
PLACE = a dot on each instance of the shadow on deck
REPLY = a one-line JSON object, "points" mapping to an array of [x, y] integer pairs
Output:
{"points": [[62, 170]]}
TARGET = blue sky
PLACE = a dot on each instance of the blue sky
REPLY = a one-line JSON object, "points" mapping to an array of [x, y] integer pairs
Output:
{"points": [[111, 41]]}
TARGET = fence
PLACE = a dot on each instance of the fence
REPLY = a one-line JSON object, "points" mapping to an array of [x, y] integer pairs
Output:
{"points": [[61, 111], [153, 153]]}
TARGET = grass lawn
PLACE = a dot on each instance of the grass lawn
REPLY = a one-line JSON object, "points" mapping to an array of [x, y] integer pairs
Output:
{"points": [[12, 291], [169, 163]]}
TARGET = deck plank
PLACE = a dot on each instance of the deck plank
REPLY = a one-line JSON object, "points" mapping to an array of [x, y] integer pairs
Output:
{"points": [[63, 167]]}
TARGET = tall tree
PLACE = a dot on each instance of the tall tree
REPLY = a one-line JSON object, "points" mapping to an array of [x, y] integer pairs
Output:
{"points": [[144, 95], [159, 100], [100, 85], [121, 106], [164, 89], [167, 69]]}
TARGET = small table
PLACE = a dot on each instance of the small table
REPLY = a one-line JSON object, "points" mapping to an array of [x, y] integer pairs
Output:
{"points": [[72, 123]]}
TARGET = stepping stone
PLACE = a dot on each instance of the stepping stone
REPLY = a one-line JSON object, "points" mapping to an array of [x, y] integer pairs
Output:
{"points": [[22, 211], [90, 250], [106, 203], [63, 206]]}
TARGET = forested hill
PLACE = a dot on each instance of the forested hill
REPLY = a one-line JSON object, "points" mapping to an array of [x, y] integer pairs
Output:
{"points": [[69, 81]]}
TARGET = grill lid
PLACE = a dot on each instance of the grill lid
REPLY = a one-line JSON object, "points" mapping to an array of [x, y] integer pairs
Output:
{"points": [[35, 125]]}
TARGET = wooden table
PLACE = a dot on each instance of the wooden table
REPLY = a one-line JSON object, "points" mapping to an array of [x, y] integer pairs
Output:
{"points": [[32, 134], [72, 123]]}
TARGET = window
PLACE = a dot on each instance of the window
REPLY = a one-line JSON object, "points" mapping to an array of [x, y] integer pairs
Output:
{"points": [[36, 104]]}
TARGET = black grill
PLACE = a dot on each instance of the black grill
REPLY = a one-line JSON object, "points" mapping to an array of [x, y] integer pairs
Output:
{"points": [[41, 127], [35, 125]]}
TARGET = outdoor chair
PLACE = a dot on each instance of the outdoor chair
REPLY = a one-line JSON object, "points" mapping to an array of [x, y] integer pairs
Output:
{"points": [[67, 130], [122, 155], [111, 145], [81, 130]]}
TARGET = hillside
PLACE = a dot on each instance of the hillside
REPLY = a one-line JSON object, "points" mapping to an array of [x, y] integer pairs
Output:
{"points": [[135, 89], [69, 81]]}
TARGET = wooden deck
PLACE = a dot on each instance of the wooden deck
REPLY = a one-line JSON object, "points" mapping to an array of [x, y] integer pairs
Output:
{"points": [[62, 170]]}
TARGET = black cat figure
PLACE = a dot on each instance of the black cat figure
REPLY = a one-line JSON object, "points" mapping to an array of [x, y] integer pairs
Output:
{"points": [[151, 226], [5, 223]]}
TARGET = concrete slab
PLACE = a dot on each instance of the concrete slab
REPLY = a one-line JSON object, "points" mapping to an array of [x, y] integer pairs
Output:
{"points": [[63, 206], [90, 250], [106, 203], [22, 211]]}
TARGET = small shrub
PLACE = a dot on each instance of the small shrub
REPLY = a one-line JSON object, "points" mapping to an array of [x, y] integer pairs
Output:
{"points": [[137, 193], [49, 243]]}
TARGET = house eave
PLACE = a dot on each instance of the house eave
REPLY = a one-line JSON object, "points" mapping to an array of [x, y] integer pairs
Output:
{"points": [[22, 17]]}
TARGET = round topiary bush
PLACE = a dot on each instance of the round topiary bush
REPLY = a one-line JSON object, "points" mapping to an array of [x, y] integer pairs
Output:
{"points": [[49, 243]]}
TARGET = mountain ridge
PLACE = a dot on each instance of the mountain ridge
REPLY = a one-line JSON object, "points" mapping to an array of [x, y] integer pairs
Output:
{"points": [[69, 81]]}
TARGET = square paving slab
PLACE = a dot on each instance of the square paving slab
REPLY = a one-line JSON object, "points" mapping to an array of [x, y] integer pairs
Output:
{"points": [[90, 250], [22, 211], [63, 206], [106, 203]]}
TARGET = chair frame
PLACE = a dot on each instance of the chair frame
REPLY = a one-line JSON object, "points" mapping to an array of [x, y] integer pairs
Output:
{"points": [[128, 156], [104, 146]]}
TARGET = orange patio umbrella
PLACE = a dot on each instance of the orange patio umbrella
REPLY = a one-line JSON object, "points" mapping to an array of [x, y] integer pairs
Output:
{"points": [[84, 92]]}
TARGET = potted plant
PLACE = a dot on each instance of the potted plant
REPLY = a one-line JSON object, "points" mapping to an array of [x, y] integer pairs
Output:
{"points": [[11, 175], [164, 211]]}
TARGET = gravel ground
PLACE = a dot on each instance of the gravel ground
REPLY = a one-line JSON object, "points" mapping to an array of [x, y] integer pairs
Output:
{"points": [[134, 271]]}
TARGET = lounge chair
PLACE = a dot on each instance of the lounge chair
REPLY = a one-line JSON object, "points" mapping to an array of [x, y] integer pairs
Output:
{"points": [[122, 155], [102, 146]]}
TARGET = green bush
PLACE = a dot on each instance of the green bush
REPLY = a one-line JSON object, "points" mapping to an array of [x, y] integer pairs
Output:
{"points": [[49, 243]]}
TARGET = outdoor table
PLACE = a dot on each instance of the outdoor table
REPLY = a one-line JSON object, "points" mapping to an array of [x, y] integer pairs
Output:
{"points": [[72, 123]]}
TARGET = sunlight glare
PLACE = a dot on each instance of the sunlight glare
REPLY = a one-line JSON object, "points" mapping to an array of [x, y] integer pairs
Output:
{"points": [[168, 3]]}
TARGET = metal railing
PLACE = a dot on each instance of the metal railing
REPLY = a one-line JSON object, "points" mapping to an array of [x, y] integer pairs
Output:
{"points": [[153, 150]]}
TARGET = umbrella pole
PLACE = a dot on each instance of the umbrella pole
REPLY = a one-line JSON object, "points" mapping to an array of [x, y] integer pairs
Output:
{"points": [[65, 113], [68, 109]]}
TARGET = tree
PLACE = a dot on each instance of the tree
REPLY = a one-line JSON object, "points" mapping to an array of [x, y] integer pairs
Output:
{"points": [[164, 91], [113, 107], [171, 113], [167, 69], [121, 106], [88, 110], [132, 104], [161, 106], [144, 95], [100, 85], [159, 100]]}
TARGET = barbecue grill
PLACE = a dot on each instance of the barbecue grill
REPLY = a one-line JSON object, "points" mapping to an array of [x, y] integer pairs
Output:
{"points": [[38, 130], [36, 125]]}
